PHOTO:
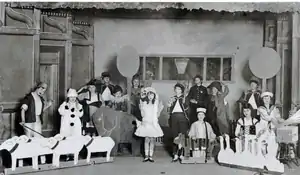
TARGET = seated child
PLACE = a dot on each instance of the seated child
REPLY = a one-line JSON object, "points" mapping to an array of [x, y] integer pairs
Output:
{"points": [[119, 102], [202, 135], [247, 125]]}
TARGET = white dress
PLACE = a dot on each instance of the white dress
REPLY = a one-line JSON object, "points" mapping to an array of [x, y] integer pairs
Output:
{"points": [[149, 126], [70, 119]]}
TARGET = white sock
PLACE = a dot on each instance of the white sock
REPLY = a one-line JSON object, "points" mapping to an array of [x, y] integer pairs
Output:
{"points": [[152, 144], [147, 146]]}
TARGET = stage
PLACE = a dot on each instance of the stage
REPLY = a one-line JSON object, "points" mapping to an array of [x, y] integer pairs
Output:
{"points": [[162, 165]]}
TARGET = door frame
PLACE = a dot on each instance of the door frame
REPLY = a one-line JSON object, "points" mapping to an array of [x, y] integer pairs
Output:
{"points": [[52, 58]]}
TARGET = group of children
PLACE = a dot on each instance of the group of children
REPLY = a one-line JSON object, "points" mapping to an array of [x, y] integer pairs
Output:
{"points": [[200, 115]]}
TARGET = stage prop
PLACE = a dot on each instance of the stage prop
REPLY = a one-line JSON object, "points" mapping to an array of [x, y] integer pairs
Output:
{"points": [[24, 147], [265, 64], [251, 157], [114, 124], [288, 138], [128, 64], [199, 152]]}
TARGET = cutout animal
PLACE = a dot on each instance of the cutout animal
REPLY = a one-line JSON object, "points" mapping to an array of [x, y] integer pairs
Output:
{"points": [[98, 144]]}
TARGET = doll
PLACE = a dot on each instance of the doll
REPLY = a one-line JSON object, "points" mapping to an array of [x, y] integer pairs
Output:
{"points": [[202, 133], [149, 127]]}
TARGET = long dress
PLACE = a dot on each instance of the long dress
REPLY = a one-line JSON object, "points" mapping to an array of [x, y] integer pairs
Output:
{"points": [[149, 126], [70, 121]]}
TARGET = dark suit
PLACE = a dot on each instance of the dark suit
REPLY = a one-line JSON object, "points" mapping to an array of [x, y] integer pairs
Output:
{"points": [[200, 94]]}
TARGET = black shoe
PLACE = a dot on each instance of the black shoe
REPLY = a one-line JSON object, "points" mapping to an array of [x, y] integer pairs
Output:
{"points": [[175, 159], [146, 159], [150, 159]]}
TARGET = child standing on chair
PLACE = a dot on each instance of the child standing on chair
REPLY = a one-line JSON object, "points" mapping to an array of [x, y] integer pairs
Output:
{"points": [[149, 127], [203, 133]]}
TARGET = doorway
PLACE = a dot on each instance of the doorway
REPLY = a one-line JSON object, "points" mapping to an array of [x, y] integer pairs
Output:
{"points": [[50, 74]]}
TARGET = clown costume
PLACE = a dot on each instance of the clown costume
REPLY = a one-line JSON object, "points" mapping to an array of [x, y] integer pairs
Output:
{"points": [[71, 112]]}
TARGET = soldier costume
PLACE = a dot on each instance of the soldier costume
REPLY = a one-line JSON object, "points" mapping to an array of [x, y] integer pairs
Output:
{"points": [[198, 93]]}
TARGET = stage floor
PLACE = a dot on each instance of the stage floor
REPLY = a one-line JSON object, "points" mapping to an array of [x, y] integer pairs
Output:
{"points": [[162, 165]]}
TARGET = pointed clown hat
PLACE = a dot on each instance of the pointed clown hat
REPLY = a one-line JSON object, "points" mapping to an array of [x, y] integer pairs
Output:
{"points": [[72, 93]]}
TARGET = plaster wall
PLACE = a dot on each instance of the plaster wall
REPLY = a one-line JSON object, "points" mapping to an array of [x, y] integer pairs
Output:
{"points": [[184, 37]]}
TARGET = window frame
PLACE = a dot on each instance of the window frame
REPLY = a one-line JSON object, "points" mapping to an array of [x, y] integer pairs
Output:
{"points": [[205, 57]]}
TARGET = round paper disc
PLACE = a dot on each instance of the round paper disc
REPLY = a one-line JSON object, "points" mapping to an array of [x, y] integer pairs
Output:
{"points": [[265, 63], [128, 61]]}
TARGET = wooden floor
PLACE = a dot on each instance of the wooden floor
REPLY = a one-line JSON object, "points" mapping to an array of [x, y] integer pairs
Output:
{"points": [[162, 165]]}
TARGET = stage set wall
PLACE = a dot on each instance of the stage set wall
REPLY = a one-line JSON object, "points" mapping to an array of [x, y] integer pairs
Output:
{"points": [[240, 38]]}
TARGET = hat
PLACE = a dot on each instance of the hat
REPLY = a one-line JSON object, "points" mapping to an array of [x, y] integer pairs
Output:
{"points": [[92, 82], [203, 110], [150, 89], [254, 80], [72, 93], [180, 86], [105, 74], [216, 84], [266, 94]]}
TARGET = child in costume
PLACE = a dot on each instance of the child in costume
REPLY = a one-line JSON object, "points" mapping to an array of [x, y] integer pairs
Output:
{"points": [[217, 114], [71, 111], [119, 101], [91, 100], [179, 121], [196, 98], [202, 133], [107, 89], [149, 127], [247, 125], [270, 118], [252, 96]]}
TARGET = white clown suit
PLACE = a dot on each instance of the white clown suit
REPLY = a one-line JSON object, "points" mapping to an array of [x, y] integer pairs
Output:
{"points": [[71, 112]]}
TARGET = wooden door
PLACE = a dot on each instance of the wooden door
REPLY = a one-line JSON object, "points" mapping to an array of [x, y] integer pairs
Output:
{"points": [[49, 73]]}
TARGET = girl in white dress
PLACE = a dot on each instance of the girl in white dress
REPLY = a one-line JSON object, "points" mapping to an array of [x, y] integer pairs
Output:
{"points": [[149, 127]]}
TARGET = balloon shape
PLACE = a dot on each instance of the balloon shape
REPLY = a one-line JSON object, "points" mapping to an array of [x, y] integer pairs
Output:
{"points": [[128, 62], [265, 63]]}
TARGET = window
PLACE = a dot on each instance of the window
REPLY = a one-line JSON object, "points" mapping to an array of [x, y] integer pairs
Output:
{"points": [[211, 68]]}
